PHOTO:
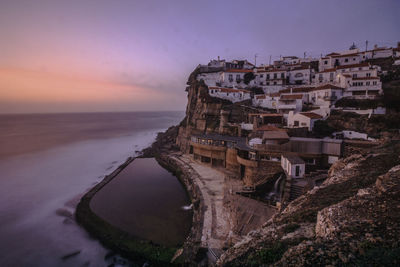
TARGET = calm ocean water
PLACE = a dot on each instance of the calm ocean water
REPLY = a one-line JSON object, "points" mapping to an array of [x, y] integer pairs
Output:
{"points": [[47, 161]]}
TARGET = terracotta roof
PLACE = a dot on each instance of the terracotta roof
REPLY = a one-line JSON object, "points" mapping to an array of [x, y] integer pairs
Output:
{"points": [[347, 55], [311, 115], [327, 86], [260, 97], [296, 90], [275, 135], [294, 159], [238, 70], [366, 78], [328, 70], [364, 64], [291, 97], [269, 128]]}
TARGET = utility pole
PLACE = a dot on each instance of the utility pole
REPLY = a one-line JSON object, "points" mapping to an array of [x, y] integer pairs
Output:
{"points": [[366, 46], [255, 60]]}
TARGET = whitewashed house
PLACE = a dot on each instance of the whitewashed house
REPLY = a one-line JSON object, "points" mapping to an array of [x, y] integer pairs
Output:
{"points": [[234, 78], [333, 60], [300, 75], [265, 101], [233, 95], [289, 102], [302, 120], [325, 95], [293, 166]]}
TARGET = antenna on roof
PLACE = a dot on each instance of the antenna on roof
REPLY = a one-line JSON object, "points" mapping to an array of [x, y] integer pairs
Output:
{"points": [[366, 45], [255, 60]]}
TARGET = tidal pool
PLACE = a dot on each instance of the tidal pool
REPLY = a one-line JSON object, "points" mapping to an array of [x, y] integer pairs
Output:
{"points": [[146, 201]]}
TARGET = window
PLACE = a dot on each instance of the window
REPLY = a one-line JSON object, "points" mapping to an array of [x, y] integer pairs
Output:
{"points": [[297, 170], [354, 59], [274, 83], [354, 75], [267, 83], [282, 75], [261, 83], [296, 123], [354, 84], [367, 83], [346, 60], [368, 74], [267, 76], [230, 77], [375, 83], [331, 76], [262, 76], [237, 77], [275, 75], [326, 62]]}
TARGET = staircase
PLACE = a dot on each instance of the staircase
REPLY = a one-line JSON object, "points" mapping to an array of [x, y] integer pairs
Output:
{"points": [[295, 191]]}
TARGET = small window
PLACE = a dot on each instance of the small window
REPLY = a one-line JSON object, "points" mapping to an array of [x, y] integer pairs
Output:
{"points": [[326, 62], [346, 60], [368, 74]]}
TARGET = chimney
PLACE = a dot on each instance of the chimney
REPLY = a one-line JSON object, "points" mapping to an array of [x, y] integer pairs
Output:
{"points": [[375, 46], [218, 58]]}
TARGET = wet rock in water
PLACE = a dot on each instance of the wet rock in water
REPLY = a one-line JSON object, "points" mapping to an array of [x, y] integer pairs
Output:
{"points": [[109, 255], [64, 213], [69, 255], [68, 221]]}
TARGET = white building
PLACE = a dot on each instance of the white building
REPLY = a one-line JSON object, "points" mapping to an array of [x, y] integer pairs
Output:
{"points": [[302, 120], [325, 95], [300, 75], [234, 78], [289, 102], [333, 60], [293, 166], [233, 95]]}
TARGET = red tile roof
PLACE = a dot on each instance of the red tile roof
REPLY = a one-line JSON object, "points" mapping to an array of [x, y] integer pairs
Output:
{"points": [[291, 97], [260, 97], [327, 86], [364, 64], [311, 115], [269, 128], [239, 70], [347, 55]]}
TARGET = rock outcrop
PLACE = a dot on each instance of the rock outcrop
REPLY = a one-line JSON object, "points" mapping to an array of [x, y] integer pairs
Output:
{"points": [[351, 219]]}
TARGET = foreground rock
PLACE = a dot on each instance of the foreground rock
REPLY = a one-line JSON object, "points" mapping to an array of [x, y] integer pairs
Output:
{"points": [[352, 218]]}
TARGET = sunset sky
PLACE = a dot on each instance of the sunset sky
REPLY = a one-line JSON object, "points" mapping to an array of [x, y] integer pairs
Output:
{"points": [[103, 55]]}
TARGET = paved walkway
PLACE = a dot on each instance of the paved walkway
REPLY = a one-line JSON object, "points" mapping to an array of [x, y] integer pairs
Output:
{"points": [[216, 226]]}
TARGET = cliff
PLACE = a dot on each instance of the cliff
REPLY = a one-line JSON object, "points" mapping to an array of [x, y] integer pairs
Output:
{"points": [[203, 113], [351, 219]]}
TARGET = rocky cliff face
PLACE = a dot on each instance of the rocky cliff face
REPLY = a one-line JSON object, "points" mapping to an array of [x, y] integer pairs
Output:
{"points": [[203, 113], [352, 218]]}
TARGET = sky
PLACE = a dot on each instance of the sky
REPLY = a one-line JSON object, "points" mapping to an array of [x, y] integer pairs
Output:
{"points": [[127, 55]]}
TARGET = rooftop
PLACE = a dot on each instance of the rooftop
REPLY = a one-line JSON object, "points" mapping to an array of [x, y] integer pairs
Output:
{"points": [[311, 115], [294, 159]]}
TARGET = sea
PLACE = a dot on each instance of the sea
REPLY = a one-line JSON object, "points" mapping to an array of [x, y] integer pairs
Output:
{"points": [[47, 162]]}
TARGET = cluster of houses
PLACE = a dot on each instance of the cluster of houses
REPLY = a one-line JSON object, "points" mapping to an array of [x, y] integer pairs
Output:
{"points": [[291, 93], [291, 85]]}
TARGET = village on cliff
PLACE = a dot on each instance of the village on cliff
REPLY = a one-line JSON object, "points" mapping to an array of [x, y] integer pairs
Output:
{"points": [[281, 134]]}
